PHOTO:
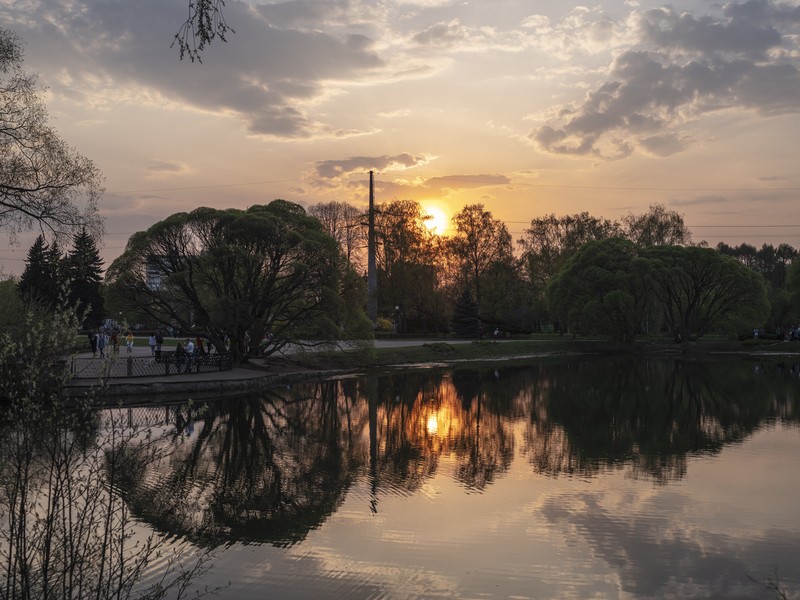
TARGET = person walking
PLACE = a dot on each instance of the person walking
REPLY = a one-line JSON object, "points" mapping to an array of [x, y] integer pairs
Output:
{"points": [[152, 343], [93, 342], [129, 341], [102, 339]]}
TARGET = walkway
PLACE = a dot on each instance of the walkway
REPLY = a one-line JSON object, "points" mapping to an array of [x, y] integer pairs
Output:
{"points": [[238, 379]]}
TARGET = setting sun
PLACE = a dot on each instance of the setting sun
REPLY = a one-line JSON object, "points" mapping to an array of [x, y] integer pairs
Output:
{"points": [[436, 220]]}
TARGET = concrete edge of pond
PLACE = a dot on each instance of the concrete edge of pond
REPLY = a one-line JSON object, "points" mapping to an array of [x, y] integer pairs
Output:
{"points": [[237, 381], [258, 376]]}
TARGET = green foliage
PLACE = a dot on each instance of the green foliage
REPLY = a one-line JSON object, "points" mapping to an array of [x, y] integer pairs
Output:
{"points": [[479, 243], [466, 321], [65, 530], [41, 280], [603, 289], [409, 267], [267, 270], [84, 270], [702, 291], [508, 302], [550, 241], [793, 283], [657, 227], [610, 287], [12, 309]]}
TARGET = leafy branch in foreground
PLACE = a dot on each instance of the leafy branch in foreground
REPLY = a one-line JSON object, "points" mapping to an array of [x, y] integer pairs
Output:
{"points": [[204, 23], [66, 531]]}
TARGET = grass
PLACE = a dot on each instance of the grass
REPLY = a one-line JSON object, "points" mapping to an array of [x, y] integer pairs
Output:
{"points": [[443, 352]]}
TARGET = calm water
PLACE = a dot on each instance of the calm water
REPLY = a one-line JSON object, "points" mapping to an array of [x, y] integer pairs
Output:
{"points": [[580, 479]]}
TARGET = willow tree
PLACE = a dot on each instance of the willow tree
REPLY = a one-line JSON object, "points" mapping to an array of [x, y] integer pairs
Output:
{"points": [[604, 288], [266, 277], [702, 290]]}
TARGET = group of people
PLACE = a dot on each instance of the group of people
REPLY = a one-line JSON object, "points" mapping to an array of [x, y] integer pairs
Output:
{"points": [[101, 340], [187, 350], [105, 342], [789, 333]]}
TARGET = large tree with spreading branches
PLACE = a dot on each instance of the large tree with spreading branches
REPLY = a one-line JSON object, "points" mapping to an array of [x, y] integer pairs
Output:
{"points": [[44, 183], [266, 277]]}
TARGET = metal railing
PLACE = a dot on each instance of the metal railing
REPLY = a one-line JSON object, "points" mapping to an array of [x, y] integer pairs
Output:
{"points": [[168, 363]]}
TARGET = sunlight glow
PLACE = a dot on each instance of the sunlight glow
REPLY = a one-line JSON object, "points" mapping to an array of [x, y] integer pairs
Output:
{"points": [[437, 221], [432, 426]]}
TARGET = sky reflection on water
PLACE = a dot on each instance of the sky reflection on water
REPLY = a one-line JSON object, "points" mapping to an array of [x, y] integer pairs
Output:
{"points": [[642, 479]]}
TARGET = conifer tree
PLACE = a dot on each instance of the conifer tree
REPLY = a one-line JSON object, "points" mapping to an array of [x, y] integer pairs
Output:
{"points": [[31, 283], [466, 321], [84, 269], [44, 275]]}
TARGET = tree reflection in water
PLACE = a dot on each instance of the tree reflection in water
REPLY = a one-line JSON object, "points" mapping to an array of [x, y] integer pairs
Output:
{"points": [[272, 468]]}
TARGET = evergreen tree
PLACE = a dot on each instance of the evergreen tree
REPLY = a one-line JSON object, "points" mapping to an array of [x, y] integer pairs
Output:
{"points": [[32, 282], [466, 322], [44, 275], [84, 269]]}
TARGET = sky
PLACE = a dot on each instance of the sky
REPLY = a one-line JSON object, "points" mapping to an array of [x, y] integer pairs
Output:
{"points": [[528, 107]]}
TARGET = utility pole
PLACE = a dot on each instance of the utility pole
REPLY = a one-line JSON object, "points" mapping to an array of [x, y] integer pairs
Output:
{"points": [[372, 273]]}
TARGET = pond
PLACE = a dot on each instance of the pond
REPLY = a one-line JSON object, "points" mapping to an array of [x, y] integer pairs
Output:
{"points": [[592, 477]]}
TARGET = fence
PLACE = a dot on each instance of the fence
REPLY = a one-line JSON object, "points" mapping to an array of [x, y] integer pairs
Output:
{"points": [[149, 366]]}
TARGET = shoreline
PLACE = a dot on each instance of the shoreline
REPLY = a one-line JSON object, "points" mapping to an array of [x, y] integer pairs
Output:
{"points": [[263, 373]]}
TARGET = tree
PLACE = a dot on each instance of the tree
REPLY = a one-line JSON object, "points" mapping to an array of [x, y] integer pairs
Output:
{"points": [[603, 289], [409, 263], [43, 278], [466, 321], [12, 309], [265, 270], [507, 300], [66, 529], [793, 283], [657, 227], [480, 241], [84, 270], [551, 240], [344, 223], [773, 263], [43, 182], [701, 290]]}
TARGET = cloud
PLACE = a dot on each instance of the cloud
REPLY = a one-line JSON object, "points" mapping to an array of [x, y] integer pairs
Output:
{"points": [[583, 31], [159, 169], [269, 75], [663, 145], [462, 182], [441, 187], [711, 199], [698, 66], [337, 169], [654, 558], [452, 34]]}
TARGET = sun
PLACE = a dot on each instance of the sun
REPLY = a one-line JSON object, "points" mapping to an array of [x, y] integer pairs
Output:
{"points": [[436, 220]]}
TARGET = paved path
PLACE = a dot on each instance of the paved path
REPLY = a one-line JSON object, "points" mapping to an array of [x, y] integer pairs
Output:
{"points": [[141, 351]]}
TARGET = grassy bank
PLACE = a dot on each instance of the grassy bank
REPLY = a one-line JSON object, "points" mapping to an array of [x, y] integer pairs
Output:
{"points": [[443, 352]]}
